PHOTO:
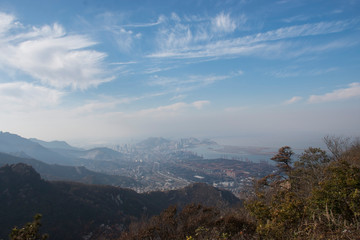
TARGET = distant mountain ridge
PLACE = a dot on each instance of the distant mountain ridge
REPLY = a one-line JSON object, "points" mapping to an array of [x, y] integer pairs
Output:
{"points": [[16, 145], [153, 142], [81, 174], [72, 210], [63, 148], [55, 152], [100, 154], [54, 144]]}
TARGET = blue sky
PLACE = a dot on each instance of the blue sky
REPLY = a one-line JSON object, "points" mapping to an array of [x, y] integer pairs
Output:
{"points": [[243, 72]]}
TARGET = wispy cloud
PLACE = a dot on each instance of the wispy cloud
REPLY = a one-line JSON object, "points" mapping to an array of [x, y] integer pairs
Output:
{"points": [[51, 56], [178, 97], [106, 104], [295, 72], [200, 104], [179, 41], [297, 18], [293, 100], [175, 36], [340, 94], [7, 22], [123, 63], [125, 38], [172, 109], [160, 20], [223, 23], [183, 32], [187, 83], [158, 69]]}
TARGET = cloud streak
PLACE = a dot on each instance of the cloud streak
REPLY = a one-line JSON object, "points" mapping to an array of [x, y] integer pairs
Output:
{"points": [[184, 44], [188, 83], [337, 95], [160, 20], [293, 100], [171, 110]]}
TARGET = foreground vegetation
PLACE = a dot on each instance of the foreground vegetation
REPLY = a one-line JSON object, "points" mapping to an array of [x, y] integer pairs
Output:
{"points": [[315, 197]]}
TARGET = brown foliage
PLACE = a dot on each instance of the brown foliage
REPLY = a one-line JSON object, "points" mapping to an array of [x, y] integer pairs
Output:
{"points": [[193, 222], [319, 198]]}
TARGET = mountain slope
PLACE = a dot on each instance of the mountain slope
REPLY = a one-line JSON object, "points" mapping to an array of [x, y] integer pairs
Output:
{"points": [[73, 210], [101, 154], [69, 173], [54, 144], [19, 146]]}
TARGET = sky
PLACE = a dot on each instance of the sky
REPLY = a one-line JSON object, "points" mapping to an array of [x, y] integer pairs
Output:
{"points": [[243, 72]]}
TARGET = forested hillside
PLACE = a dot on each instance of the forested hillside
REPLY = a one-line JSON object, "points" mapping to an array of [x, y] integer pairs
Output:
{"points": [[74, 210]]}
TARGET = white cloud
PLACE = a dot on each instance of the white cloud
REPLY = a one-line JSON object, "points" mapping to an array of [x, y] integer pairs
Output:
{"points": [[95, 106], [22, 96], [177, 36], [200, 104], [53, 57], [106, 104], [175, 17], [297, 18], [239, 72], [123, 63], [163, 109], [187, 83], [270, 43], [293, 100], [168, 110], [223, 23], [7, 22], [340, 94], [160, 20], [125, 38], [178, 97]]}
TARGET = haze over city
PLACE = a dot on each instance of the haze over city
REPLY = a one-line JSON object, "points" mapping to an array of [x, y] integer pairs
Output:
{"points": [[268, 73]]}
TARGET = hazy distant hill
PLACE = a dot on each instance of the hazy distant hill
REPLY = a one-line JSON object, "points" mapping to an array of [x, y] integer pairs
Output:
{"points": [[69, 173], [97, 159], [72, 210], [59, 152], [153, 142], [19, 146], [101, 154], [63, 148], [55, 144], [66, 150], [163, 143]]}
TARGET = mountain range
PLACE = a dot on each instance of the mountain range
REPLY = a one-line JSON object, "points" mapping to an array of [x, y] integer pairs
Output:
{"points": [[69, 173], [54, 152], [19, 146], [74, 210]]}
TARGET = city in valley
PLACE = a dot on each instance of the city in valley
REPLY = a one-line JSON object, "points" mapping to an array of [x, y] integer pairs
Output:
{"points": [[152, 164]]}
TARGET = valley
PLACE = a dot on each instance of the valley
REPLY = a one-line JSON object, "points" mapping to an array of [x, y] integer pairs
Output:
{"points": [[155, 164]]}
